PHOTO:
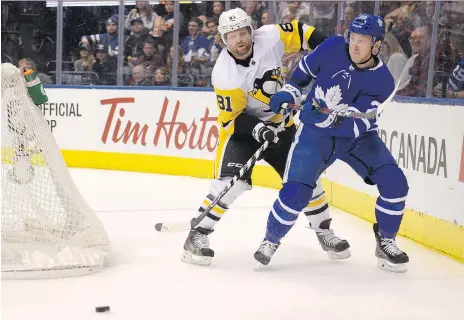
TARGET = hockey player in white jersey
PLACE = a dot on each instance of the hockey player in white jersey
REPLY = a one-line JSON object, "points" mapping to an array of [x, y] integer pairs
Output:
{"points": [[244, 78]]}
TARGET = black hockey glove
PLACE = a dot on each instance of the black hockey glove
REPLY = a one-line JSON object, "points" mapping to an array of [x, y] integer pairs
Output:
{"points": [[262, 132]]}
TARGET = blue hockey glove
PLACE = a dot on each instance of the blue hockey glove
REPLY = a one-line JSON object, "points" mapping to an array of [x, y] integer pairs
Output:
{"points": [[288, 94], [311, 110]]}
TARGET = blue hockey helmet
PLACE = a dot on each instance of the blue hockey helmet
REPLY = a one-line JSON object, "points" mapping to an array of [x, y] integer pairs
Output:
{"points": [[369, 25]]}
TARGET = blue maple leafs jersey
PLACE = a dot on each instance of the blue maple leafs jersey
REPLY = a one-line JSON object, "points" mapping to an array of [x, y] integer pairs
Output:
{"points": [[342, 86], [456, 80]]}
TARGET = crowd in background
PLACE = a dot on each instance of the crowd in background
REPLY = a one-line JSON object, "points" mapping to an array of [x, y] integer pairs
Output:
{"points": [[91, 39]]}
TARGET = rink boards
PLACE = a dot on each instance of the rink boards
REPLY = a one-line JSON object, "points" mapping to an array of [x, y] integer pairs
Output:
{"points": [[175, 132]]}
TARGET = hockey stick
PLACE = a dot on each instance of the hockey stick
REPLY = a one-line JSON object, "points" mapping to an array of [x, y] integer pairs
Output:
{"points": [[402, 81], [188, 225]]}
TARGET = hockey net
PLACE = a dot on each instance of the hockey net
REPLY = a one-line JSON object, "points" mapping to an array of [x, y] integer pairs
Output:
{"points": [[47, 228]]}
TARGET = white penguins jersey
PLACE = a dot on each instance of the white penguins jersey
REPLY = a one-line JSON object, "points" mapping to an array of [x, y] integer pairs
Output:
{"points": [[247, 86]]}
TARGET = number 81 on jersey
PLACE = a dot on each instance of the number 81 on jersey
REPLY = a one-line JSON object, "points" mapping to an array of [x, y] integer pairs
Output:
{"points": [[224, 103]]}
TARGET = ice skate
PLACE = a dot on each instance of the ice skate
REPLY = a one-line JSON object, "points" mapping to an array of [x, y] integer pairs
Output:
{"points": [[390, 257], [196, 248], [265, 252], [335, 247]]}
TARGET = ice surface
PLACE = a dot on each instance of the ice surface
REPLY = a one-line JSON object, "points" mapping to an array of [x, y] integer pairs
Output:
{"points": [[147, 280]]}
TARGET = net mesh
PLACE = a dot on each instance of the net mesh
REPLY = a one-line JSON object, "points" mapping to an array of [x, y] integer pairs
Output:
{"points": [[48, 230]]}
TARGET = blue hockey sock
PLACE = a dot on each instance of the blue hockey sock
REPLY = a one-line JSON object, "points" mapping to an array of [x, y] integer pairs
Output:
{"points": [[389, 215], [293, 197]]}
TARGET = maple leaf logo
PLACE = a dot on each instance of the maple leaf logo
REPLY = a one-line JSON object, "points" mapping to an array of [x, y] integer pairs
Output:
{"points": [[332, 98]]}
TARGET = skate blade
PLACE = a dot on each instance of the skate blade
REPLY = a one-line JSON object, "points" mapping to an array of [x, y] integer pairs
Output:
{"points": [[391, 267], [339, 255], [188, 257], [260, 267]]}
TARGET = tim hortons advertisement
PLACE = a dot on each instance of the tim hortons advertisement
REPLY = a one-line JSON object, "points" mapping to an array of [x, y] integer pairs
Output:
{"points": [[427, 143], [174, 123]]}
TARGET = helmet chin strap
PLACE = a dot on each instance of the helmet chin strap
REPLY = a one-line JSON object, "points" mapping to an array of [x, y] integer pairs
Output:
{"points": [[371, 57], [367, 60]]}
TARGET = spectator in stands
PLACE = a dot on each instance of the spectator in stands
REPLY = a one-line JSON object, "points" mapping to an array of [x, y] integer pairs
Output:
{"points": [[265, 18], [169, 17], [169, 23], [216, 47], [430, 11], [203, 19], [134, 44], [455, 86], [140, 77], [170, 60], [151, 58], [84, 64], [324, 17], [161, 77], [456, 12], [218, 8], [158, 34], [210, 29], [348, 17], [105, 67], [195, 47], [166, 28], [28, 63], [409, 10], [158, 27], [108, 40], [402, 31], [404, 19], [295, 9], [420, 43], [144, 11], [252, 10]]}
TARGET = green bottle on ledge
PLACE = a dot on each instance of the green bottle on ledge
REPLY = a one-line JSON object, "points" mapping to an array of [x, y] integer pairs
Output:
{"points": [[35, 87]]}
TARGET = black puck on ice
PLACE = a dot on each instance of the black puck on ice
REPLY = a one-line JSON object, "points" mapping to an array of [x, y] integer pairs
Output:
{"points": [[102, 309]]}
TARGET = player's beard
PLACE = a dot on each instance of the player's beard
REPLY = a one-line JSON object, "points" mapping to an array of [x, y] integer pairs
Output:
{"points": [[241, 50]]}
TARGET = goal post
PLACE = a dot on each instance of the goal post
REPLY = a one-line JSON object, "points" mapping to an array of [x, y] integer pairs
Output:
{"points": [[47, 228]]}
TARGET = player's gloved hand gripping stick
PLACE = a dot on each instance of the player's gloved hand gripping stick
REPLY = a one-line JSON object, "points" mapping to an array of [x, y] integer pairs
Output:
{"points": [[188, 225]]}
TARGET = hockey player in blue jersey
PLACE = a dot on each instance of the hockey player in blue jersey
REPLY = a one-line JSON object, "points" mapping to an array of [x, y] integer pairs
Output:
{"points": [[347, 75]]}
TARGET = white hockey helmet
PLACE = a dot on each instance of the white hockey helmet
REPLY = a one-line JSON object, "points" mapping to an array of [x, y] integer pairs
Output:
{"points": [[233, 19]]}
